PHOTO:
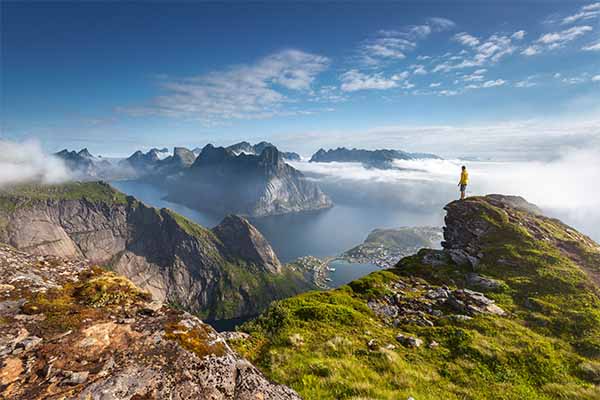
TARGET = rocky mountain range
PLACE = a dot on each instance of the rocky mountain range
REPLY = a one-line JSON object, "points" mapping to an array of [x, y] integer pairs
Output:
{"points": [[72, 330], [83, 165], [253, 185], [382, 159], [257, 149], [227, 272], [508, 309]]}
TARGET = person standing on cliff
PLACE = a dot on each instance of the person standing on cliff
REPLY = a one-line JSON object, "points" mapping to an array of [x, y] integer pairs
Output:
{"points": [[464, 180]]}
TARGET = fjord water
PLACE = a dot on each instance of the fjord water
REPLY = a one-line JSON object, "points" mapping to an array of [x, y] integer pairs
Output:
{"points": [[324, 233]]}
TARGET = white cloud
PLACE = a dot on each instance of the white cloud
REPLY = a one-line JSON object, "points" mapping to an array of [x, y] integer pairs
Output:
{"points": [[555, 40], [354, 80], [595, 46], [465, 39], [493, 83], [519, 35], [257, 90], [440, 24], [596, 78], [419, 69], [447, 92], [22, 162], [476, 76], [587, 12], [526, 83], [560, 38], [393, 45], [487, 84], [575, 79], [531, 50], [487, 52], [435, 84], [400, 76]]}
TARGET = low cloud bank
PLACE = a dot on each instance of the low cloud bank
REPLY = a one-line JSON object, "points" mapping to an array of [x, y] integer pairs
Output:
{"points": [[566, 187], [22, 162]]}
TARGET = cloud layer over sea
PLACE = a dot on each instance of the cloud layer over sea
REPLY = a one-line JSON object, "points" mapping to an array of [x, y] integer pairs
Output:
{"points": [[566, 187]]}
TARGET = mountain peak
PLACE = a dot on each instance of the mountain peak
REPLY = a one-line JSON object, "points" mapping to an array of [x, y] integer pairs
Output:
{"points": [[85, 153], [245, 241]]}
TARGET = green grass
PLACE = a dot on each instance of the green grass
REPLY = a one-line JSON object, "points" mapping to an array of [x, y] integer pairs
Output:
{"points": [[548, 347], [96, 192]]}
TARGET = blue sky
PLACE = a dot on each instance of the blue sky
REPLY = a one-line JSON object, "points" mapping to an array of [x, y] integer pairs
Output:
{"points": [[494, 78]]}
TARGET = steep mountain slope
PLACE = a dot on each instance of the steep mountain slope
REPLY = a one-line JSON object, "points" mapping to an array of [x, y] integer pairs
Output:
{"points": [[382, 159], [228, 272], [72, 330], [221, 181], [510, 309]]}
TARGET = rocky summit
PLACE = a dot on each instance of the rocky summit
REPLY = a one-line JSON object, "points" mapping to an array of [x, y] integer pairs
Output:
{"points": [[253, 185], [508, 309], [70, 330], [228, 272]]}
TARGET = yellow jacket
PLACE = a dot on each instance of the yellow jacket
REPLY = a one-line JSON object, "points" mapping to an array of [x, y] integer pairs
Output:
{"points": [[464, 177]]}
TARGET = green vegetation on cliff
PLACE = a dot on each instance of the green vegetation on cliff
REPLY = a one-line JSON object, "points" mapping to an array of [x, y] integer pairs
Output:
{"points": [[96, 192], [539, 338]]}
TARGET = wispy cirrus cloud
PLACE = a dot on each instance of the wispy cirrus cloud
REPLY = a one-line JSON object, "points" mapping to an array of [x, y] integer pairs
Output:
{"points": [[465, 39], [392, 45], [556, 40], [487, 84], [258, 90], [594, 46], [355, 80], [480, 52], [587, 12]]}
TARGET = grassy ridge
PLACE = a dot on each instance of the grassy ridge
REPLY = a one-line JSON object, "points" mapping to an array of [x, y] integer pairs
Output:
{"points": [[548, 347], [97, 192]]}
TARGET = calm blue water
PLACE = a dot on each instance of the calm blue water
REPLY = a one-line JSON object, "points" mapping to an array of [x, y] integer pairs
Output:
{"points": [[324, 233]]}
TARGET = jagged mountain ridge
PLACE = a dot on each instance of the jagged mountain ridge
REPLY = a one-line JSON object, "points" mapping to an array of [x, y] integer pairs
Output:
{"points": [[72, 330], [230, 271], [382, 159], [86, 166], [510, 309], [221, 181], [257, 149]]}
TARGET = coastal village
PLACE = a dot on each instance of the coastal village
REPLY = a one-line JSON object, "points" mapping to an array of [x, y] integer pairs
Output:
{"points": [[383, 248]]}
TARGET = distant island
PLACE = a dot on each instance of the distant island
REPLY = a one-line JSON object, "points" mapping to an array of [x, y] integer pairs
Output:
{"points": [[381, 159]]}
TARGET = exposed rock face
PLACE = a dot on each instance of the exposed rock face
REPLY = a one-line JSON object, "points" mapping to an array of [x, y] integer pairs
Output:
{"points": [[71, 331], [382, 159], [251, 185], [243, 240], [160, 251], [412, 301]]}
